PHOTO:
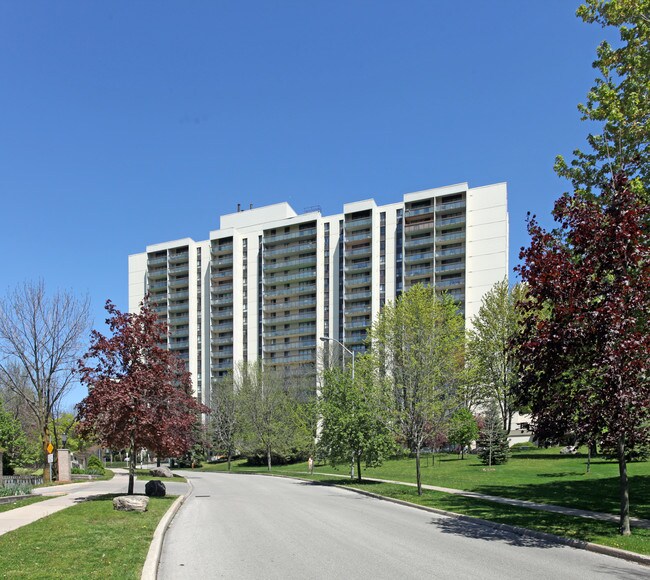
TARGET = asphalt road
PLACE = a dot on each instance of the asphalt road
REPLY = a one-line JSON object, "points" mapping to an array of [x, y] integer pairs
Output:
{"points": [[248, 526]]}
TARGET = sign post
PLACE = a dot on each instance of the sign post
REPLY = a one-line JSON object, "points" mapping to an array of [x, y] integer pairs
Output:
{"points": [[50, 457]]}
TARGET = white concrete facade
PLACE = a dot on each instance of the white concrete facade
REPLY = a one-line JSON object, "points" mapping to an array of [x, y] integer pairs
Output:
{"points": [[270, 282]]}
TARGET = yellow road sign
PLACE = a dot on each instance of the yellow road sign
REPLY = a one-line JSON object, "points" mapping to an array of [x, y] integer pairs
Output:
{"points": [[50, 447]]}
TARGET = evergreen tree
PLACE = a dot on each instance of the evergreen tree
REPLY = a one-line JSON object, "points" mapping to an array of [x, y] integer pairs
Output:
{"points": [[492, 445]]}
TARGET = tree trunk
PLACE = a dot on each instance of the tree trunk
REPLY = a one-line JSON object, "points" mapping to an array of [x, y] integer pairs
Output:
{"points": [[418, 473], [157, 459], [359, 467], [268, 457], [624, 489], [229, 459], [131, 465]]}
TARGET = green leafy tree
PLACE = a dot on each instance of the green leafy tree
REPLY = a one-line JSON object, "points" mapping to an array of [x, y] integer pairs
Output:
{"points": [[13, 442], [491, 356], [492, 445], [618, 103], [463, 429], [223, 419], [353, 422], [266, 412], [418, 355]]}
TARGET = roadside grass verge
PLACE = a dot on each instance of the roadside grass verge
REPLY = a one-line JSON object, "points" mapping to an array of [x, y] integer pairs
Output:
{"points": [[5, 507], [143, 474], [89, 540], [108, 474]]}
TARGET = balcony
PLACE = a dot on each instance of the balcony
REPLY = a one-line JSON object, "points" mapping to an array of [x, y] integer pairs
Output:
{"points": [[179, 344], [221, 327], [221, 249], [351, 296], [272, 280], [221, 274], [450, 252], [364, 251], [180, 257], [419, 211], [294, 249], [356, 310], [157, 274], [358, 324], [183, 307], [302, 316], [222, 300], [449, 222], [176, 320], [420, 257], [290, 305], [157, 261], [223, 261], [222, 353], [294, 331], [183, 295], [358, 224], [217, 340], [358, 267], [450, 205], [178, 282], [296, 358], [290, 264], [290, 236], [179, 269], [293, 345], [223, 365], [418, 242], [417, 228], [291, 291], [221, 288], [451, 237], [357, 281], [158, 285], [365, 235], [223, 313], [450, 283], [414, 272], [450, 267]]}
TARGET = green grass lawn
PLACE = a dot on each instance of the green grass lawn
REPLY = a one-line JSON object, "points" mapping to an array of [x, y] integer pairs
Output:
{"points": [[5, 507], [89, 540]]}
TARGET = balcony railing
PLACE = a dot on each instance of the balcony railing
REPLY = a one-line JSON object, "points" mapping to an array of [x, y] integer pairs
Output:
{"points": [[225, 261], [295, 331], [176, 320], [290, 264], [270, 321], [358, 223], [450, 267], [223, 327], [157, 274], [157, 285], [222, 274], [174, 258], [294, 249], [222, 340], [290, 305], [280, 360], [359, 251], [179, 269], [292, 291], [179, 295], [450, 222], [450, 252], [448, 283], [450, 205], [351, 296], [180, 344], [357, 281], [419, 211], [272, 280], [358, 324], [178, 282], [409, 229], [290, 236], [221, 288], [418, 242], [295, 344], [157, 260], [357, 237], [225, 313], [359, 266], [179, 307], [451, 237], [221, 249]]}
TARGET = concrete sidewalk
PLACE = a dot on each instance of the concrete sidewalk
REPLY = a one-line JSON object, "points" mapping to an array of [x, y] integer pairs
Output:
{"points": [[64, 496]]}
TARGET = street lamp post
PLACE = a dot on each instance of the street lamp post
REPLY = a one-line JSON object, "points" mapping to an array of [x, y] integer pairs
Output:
{"points": [[345, 348], [352, 353]]}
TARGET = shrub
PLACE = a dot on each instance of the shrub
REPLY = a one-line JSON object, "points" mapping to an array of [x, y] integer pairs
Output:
{"points": [[95, 462], [20, 489]]}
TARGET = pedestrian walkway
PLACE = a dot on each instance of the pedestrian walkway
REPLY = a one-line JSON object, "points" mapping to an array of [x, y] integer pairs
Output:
{"points": [[545, 507], [64, 496]]}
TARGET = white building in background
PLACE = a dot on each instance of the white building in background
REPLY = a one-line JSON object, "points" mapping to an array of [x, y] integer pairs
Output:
{"points": [[270, 282]]}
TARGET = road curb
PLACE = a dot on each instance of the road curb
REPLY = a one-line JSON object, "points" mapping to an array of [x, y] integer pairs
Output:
{"points": [[525, 532], [150, 568]]}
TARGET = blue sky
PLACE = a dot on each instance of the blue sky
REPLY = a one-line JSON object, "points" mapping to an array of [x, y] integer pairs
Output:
{"points": [[124, 124]]}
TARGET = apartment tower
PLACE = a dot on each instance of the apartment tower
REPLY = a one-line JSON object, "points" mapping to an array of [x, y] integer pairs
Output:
{"points": [[270, 282]]}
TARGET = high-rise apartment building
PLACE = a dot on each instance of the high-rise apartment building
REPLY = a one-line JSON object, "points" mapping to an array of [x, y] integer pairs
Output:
{"points": [[270, 282]]}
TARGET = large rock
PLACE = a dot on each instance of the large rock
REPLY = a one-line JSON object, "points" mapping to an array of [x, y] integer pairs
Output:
{"points": [[131, 503], [155, 488], [161, 472]]}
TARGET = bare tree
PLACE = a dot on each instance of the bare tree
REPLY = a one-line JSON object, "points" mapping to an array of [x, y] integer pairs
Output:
{"points": [[40, 342]]}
